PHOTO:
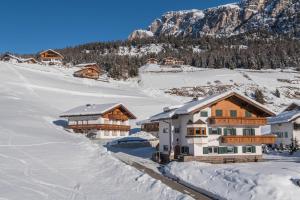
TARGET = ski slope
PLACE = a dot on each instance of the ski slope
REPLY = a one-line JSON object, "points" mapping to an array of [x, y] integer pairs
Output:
{"points": [[39, 160]]}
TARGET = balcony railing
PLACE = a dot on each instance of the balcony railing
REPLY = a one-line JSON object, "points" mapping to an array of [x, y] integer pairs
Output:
{"points": [[109, 127], [237, 121], [262, 139]]}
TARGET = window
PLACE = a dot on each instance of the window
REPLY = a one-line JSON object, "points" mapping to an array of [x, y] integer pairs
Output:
{"points": [[220, 150], [249, 149], [165, 130], [215, 131], [185, 150], [197, 131], [233, 113], [106, 133], [166, 148], [177, 130], [219, 113], [229, 131], [203, 114], [213, 150], [248, 114], [248, 132], [286, 135]]}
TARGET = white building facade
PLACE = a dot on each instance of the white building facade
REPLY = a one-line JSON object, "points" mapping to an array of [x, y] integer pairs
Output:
{"points": [[214, 129], [100, 121], [286, 126]]}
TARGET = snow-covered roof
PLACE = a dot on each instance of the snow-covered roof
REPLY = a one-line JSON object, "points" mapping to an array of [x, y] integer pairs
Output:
{"points": [[202, 103], [163, 115], [284, 117], [94, 109], [85, 64], [52, 51]]}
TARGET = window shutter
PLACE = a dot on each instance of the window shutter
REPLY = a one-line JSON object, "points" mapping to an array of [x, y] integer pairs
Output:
{"points": [[225, 131], [244, 149], [225, 149], [220, 151], [205, 150], [253, 149], [244, 132], [252, 131], [219, 131], [210, 131], [234, 131], [235, 149]]}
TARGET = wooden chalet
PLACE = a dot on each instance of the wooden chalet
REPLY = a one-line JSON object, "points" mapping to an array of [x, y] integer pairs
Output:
{"points": [[152, 61], [221, 128], [50, 56], [10, 58], [179, 62], [169, 61], [100, 120], [29, 61], [89, 70]]}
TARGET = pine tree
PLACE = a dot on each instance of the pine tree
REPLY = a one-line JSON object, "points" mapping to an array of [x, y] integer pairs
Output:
{"points": [[277, 93]]}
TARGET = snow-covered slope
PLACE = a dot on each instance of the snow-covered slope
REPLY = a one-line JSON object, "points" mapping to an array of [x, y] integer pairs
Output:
{"points": [[275, 16], [39, 160]]}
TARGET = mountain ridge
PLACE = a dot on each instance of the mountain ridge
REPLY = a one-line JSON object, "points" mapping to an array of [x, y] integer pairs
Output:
{"points": [[275, 16]]}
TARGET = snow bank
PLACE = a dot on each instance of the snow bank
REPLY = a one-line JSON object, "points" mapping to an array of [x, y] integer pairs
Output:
{"points": [[265, 180]]}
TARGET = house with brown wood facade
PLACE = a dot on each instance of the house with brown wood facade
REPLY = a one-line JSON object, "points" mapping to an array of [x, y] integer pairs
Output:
{"points": [[169, 61], [102, 121], [220, 128], [89, 70], [152, 61], [51, 57]]}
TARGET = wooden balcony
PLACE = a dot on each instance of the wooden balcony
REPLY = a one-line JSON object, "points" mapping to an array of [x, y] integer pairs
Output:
{"points": [[240, 140], [109, 127], [238, 121]]}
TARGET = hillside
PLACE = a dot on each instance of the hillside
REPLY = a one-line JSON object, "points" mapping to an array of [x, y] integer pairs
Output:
{"points": [[274, 16], [40, 160]]}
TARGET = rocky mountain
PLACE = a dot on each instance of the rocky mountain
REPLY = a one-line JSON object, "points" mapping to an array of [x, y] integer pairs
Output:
{"points": [[280, 17]]}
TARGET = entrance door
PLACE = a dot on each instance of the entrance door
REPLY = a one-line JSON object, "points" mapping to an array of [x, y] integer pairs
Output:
{"points": [[176, 151]]}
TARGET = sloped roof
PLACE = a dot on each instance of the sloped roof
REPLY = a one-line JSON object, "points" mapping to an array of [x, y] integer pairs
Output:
{"points": [[86, 68], [284, 117], [52, 51], [85, 64], [95, 109], [196, 105], [293, 106], [200, 104]]}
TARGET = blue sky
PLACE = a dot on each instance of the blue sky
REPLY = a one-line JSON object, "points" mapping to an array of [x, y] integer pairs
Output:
{"points": [[32, 25]]}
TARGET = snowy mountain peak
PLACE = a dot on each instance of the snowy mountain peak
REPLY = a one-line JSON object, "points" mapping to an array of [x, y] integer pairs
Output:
{"points": [[274, 16]]}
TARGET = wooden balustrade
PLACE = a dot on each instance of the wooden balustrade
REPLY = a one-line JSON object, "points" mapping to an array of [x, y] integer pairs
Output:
{"points": [[261, 139], [238, 121], [109, 127]]}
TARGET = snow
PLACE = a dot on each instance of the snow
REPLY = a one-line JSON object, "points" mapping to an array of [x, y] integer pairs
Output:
{"points": [[284, 117], [165, 68], [272, 179], [91, 109], [40, 160], [137, 137]]}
